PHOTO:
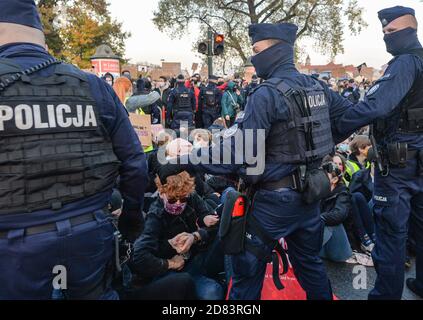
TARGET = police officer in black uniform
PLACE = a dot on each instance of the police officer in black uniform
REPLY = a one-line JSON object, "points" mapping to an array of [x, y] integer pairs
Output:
{"points": [[209, 102], [64, 139], [181, 105], [295, 116], [394, 105]]}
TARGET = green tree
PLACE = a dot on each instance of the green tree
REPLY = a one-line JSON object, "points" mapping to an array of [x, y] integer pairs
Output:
{"points": [[74, 28], [320, 20]]}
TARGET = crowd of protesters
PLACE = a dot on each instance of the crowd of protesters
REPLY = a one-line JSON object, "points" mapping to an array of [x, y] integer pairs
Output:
{"points": [[183, 207]]}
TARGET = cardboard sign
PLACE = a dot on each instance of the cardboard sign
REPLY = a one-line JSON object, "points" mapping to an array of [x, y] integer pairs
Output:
{"points": [[142, 126]]}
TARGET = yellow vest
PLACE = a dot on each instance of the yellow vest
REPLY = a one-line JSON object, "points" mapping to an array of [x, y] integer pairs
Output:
{"points": [[352, 167]]}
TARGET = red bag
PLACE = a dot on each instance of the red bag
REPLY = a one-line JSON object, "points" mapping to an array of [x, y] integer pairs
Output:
{"points": [[292, 291]]}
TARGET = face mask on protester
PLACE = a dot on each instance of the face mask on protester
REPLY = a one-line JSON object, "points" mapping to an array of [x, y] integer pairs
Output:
{"points": [[402, 41], [344, 148], [268, 60], [175, 209], [110, 82]]}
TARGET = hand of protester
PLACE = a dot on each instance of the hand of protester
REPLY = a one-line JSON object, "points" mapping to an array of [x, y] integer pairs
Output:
{"points": [[227, 118], [176, 263], [184, 242], [211, 220], [176, 240], [238, 92]]}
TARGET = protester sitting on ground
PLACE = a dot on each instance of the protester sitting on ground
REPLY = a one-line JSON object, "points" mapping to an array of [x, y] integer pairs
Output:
{"points": [[172, 240], [180, 147], [357, 160], [201, 138], [123, 89], [334, 211], [344, 148], [361, 189], [340, 161], [153, 161]]}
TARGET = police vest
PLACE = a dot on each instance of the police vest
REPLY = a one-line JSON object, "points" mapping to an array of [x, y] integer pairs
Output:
{"points": [[411, 109], [306, 137], [54, 148], [210, 97], [183, 101]]}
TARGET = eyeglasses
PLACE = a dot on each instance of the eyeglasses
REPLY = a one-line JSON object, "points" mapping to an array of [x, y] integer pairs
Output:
{"points": [[181, 200]]}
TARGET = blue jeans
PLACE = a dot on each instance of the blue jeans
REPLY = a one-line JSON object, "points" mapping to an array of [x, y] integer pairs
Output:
{"points": [[362, 216], [204, 268], [336, 246]]}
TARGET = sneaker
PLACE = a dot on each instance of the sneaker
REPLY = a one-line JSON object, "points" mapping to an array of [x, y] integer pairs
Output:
{"points": [[352, 260], [367, 246], [411, 284]]}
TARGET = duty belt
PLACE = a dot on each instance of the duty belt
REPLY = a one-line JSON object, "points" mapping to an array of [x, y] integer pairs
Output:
{"points": [[286, 182], [52, 226]]}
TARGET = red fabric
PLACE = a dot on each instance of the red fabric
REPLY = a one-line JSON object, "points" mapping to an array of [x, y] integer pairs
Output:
{"points": [[223, 87], [292, 291]]}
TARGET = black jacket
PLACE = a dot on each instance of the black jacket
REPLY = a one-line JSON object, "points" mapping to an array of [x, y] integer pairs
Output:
{"points": [[152, 249], [335, 209]]}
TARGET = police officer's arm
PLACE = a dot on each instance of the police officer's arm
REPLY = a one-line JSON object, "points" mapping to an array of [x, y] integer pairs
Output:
{"points": [[338, 105], [126, 145], [384, 96], [259, 114]]}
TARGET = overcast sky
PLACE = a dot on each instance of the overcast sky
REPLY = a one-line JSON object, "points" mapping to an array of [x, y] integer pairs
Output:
{"points": [[149, 44]]}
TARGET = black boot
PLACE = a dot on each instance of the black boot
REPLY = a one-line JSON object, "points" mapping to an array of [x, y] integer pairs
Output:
{"points": [[412, 286]]}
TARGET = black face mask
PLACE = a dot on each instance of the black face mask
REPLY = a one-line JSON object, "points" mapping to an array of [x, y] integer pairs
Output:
{"points": [[267, 61], [220, 84], [401, 42]]}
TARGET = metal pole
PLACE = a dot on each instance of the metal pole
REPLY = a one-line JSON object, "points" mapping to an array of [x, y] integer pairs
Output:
{"points": [[210, 52]]}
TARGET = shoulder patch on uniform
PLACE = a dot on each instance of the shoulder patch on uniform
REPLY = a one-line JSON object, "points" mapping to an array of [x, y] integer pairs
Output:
{"points": [[373, 90], [230, 132]]}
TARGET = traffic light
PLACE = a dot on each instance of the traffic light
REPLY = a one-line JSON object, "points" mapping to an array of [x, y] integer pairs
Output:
{"points": [[218, 44], [203, 48]]}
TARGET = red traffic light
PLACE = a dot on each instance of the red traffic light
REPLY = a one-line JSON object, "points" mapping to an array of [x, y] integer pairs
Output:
{"points": [[219, 38], [219, 44]]}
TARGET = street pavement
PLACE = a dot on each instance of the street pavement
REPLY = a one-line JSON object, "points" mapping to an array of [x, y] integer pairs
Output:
{"points": [[341, 276]]}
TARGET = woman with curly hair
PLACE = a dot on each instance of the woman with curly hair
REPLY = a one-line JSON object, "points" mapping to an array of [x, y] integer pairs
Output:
{"points": [[179, 236]]}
